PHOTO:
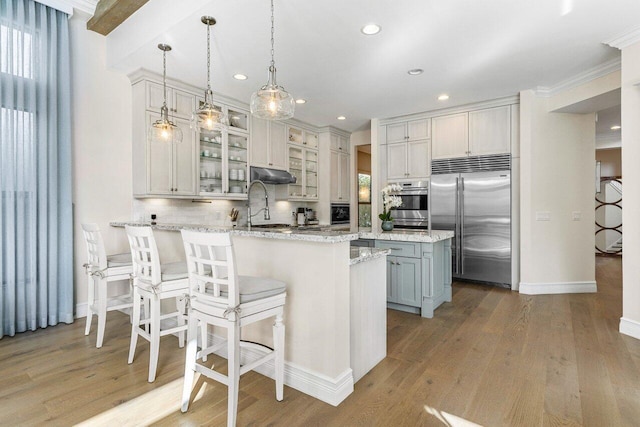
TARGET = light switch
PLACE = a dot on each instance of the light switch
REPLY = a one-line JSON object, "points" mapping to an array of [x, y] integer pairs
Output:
{"points": [[543, 216], [576, 215]]}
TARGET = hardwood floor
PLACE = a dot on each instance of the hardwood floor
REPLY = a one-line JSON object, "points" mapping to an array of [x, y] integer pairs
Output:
{"points": [[492, 357]]}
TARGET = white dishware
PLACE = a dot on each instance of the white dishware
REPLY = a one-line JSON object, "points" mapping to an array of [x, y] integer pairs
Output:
{"points": [[235, 189], [206, 153], [203, 173], [206, 138], [241, 174], [233, 174]]}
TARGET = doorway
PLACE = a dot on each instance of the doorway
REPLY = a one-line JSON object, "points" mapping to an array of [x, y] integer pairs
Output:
{"points": [[363, 167]]}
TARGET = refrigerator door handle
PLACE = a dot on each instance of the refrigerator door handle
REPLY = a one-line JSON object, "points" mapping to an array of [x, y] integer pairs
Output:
{"points": [[456, 227], [461, 225]]}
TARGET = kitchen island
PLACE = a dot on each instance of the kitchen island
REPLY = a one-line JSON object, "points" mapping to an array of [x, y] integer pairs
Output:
{"points": [[329, 290], [418, 268]]}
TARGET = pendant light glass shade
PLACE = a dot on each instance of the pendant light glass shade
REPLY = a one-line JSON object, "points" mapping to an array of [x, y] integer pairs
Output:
{"points": [[208, 116], [163, 130], [272, 102]]}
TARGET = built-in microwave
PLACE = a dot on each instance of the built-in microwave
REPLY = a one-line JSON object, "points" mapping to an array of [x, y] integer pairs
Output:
{"points": [[340, 213], [414, 212]]}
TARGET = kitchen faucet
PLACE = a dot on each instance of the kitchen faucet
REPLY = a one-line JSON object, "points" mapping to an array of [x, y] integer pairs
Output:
{"points": [[267, 217]]}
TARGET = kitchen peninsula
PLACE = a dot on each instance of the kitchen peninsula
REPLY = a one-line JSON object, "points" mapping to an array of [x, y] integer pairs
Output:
{"points": [[321, 357]]}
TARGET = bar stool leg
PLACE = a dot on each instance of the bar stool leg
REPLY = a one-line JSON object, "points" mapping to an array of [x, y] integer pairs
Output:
{"points": [[180, 305], [278, 348], [190, 361], [155, 337], [90, 301], [204, 338], [234, 371], [102, 309], [135, 324]]}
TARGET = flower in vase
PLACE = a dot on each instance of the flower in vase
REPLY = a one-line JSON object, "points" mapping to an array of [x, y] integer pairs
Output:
{"points": [[390, 201]]}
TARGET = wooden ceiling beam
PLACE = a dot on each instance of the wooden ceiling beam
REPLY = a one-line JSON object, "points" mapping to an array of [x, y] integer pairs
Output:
{"points": [[111, 13]]}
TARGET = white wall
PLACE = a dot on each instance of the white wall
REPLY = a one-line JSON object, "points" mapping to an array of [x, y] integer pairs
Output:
{"points": [[101, 122], [630, 322], [557, 172]]}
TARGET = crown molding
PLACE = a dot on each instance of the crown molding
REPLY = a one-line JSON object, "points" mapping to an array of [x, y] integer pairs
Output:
{"points": [[581, 78], [625, 39]]}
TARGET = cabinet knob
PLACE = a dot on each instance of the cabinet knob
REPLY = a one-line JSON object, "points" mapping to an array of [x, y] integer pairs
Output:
{"points": [[270, 164], [305, 142]]}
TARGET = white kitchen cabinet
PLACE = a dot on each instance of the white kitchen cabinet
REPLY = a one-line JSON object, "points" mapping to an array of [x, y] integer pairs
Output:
{"points": [[180, 103], [450, 136], [301, 136], [171, 167], [490, 131], [223, 163], [303, 165], [412, 130], [408, 160], [340, 179], [268, 144], [340, 143], [474, 133]]}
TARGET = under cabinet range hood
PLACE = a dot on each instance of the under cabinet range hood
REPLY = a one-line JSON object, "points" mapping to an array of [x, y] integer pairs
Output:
{"points": [[272, 176]]}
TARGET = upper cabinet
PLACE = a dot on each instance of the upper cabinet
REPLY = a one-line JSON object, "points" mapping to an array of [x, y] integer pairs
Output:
{"points": [[303, 137], [268, 144], [408, 149], [340, 167], [475, 133], [412, 130], [490, 131], [339, 143], [303, 165], [180, 103], [163, 169]]}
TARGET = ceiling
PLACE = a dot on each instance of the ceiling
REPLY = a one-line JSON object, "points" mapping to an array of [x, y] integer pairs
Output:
{"points": [[472, 50]]}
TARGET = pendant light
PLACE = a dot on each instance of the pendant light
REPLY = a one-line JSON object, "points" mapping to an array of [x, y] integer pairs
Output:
{"points": [[208, 116], [164, 130], [271, 101]]}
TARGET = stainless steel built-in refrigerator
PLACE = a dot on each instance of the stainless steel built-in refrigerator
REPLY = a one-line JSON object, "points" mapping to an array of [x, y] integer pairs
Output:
{"points": [[472, 197]]}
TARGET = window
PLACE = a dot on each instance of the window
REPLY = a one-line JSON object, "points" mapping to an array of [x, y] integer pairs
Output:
{"points": [[364, 200], [16, 52]]}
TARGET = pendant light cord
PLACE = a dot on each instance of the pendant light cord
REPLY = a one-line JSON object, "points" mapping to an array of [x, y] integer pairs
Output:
{"points": [[208, 57], [273, 62], [164, 76]]}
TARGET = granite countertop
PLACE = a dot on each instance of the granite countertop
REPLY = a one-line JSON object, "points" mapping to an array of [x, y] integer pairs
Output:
{"points": [[408, 236], [309, 235], [360, 254]]}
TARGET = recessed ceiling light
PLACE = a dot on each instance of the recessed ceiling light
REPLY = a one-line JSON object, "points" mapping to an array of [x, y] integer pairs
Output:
{"points": [[616, 127], [240, 77], [301, 101], [342, 118], [371, 29], [443, 97], [415, 71]]}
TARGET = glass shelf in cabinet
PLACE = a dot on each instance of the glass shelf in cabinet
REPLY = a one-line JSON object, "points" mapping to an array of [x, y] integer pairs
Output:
{"points": [[211, 159]]}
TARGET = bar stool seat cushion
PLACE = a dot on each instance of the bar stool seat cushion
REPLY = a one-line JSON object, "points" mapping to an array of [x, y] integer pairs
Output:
{"points": [[255, 288], [173, 271], [119, 260]]}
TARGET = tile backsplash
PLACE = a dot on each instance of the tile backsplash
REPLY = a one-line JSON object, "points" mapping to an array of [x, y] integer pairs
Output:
{"points": [[217, 211]]}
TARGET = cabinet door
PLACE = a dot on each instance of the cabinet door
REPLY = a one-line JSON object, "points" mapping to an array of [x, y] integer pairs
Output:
{"points": [[184, 164], [344, 145], [311, 139], [183, 104], [155, 97], [345, 178], [334, 142], [335, 176], [396, 132], [418, 129], [450, 136], [278, 149], [490, 131], [409, 281], [418, 159], [259, 142], [397, 161], [159, 164]]}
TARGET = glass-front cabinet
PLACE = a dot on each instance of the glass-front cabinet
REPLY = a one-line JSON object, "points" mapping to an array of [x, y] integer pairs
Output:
{"points": [[303, 165], [223, 162], [302, 137]]}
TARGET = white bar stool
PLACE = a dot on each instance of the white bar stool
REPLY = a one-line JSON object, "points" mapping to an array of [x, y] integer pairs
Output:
{"points": [[154, 282], [219, 297], [101, 270]]}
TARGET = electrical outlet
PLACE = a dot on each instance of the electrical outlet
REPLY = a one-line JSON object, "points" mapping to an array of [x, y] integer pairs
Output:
{"points": [[543, 216], [576, 215]]}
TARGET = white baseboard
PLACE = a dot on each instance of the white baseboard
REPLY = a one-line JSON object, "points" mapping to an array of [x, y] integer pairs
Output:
{"points": [[330, 390], [630, 327], [558, 288]]}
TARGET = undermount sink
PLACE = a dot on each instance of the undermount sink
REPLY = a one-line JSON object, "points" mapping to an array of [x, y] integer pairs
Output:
{"points": [[270, 226]]}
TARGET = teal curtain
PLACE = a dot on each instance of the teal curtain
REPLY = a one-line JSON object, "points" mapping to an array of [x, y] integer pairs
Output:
{"points": [[35, 168]]}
